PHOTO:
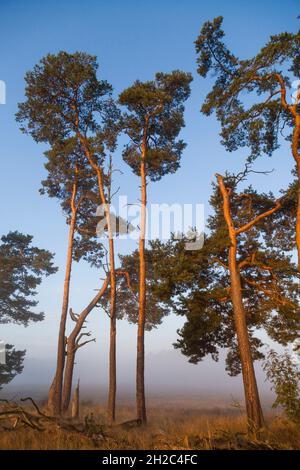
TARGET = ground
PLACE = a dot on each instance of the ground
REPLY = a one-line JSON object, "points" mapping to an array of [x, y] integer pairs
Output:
{"points": [[168, 428]]}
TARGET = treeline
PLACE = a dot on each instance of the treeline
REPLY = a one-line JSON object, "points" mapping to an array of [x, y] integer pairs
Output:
{"points": [[243, 280]]}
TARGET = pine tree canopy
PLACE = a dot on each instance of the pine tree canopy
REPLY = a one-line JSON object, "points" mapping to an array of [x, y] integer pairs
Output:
{"points": [[157, 307], [155, 118], [22, 266], [198, 282], [249, 96], [71, 180], [13, 365], [65, 99]]}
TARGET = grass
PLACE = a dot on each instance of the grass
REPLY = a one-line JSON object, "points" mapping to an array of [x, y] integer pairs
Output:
{"points": [[168, 428]]}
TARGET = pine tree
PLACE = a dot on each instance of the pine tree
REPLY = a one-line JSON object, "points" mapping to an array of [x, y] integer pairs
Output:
{"points": [[239, 283], [22, 267], [152, 123], [250, 96], [65, 99]]}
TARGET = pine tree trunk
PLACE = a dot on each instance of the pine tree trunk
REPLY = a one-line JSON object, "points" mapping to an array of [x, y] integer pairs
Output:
{"points": [[112, 387], [76, 403], [253, 406], [111, 407], [68, 375], [140, 364], [295, 152], [55, 392], [298, 216]]}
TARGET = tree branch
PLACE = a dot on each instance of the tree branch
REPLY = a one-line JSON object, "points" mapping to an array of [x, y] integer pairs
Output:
{"points": [[253, 222]]}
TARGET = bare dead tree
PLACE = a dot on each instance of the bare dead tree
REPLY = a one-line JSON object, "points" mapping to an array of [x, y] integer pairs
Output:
{"points": [[74, 343]]}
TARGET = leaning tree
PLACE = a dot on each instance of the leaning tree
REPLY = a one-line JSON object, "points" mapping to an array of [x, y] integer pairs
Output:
{"points": [[152, 122], [22, 266], [250, 96], [237, 285]]}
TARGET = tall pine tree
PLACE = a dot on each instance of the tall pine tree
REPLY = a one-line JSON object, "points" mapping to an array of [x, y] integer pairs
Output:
{"points": [[237, 285], [152, 123]]}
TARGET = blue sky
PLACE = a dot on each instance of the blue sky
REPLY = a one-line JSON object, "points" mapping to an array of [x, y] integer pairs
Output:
{"points": [[132, 40]]}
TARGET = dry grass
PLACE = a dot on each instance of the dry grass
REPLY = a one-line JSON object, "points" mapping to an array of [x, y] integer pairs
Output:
{"points": [[168, 428]]}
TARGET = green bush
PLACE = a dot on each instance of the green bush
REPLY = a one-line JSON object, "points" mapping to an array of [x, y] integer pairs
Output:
{"points": [[284, 374]]}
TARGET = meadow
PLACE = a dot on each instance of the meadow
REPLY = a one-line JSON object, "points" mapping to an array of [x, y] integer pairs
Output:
{"points": [[168, 428]]}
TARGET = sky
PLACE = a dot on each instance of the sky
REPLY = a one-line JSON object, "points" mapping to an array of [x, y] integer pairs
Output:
{"points": [[132, 40]]}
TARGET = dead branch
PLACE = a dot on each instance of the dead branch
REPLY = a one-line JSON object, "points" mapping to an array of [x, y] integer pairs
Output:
{"points": [[79, 345], [13, 416], [74, 316]]}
